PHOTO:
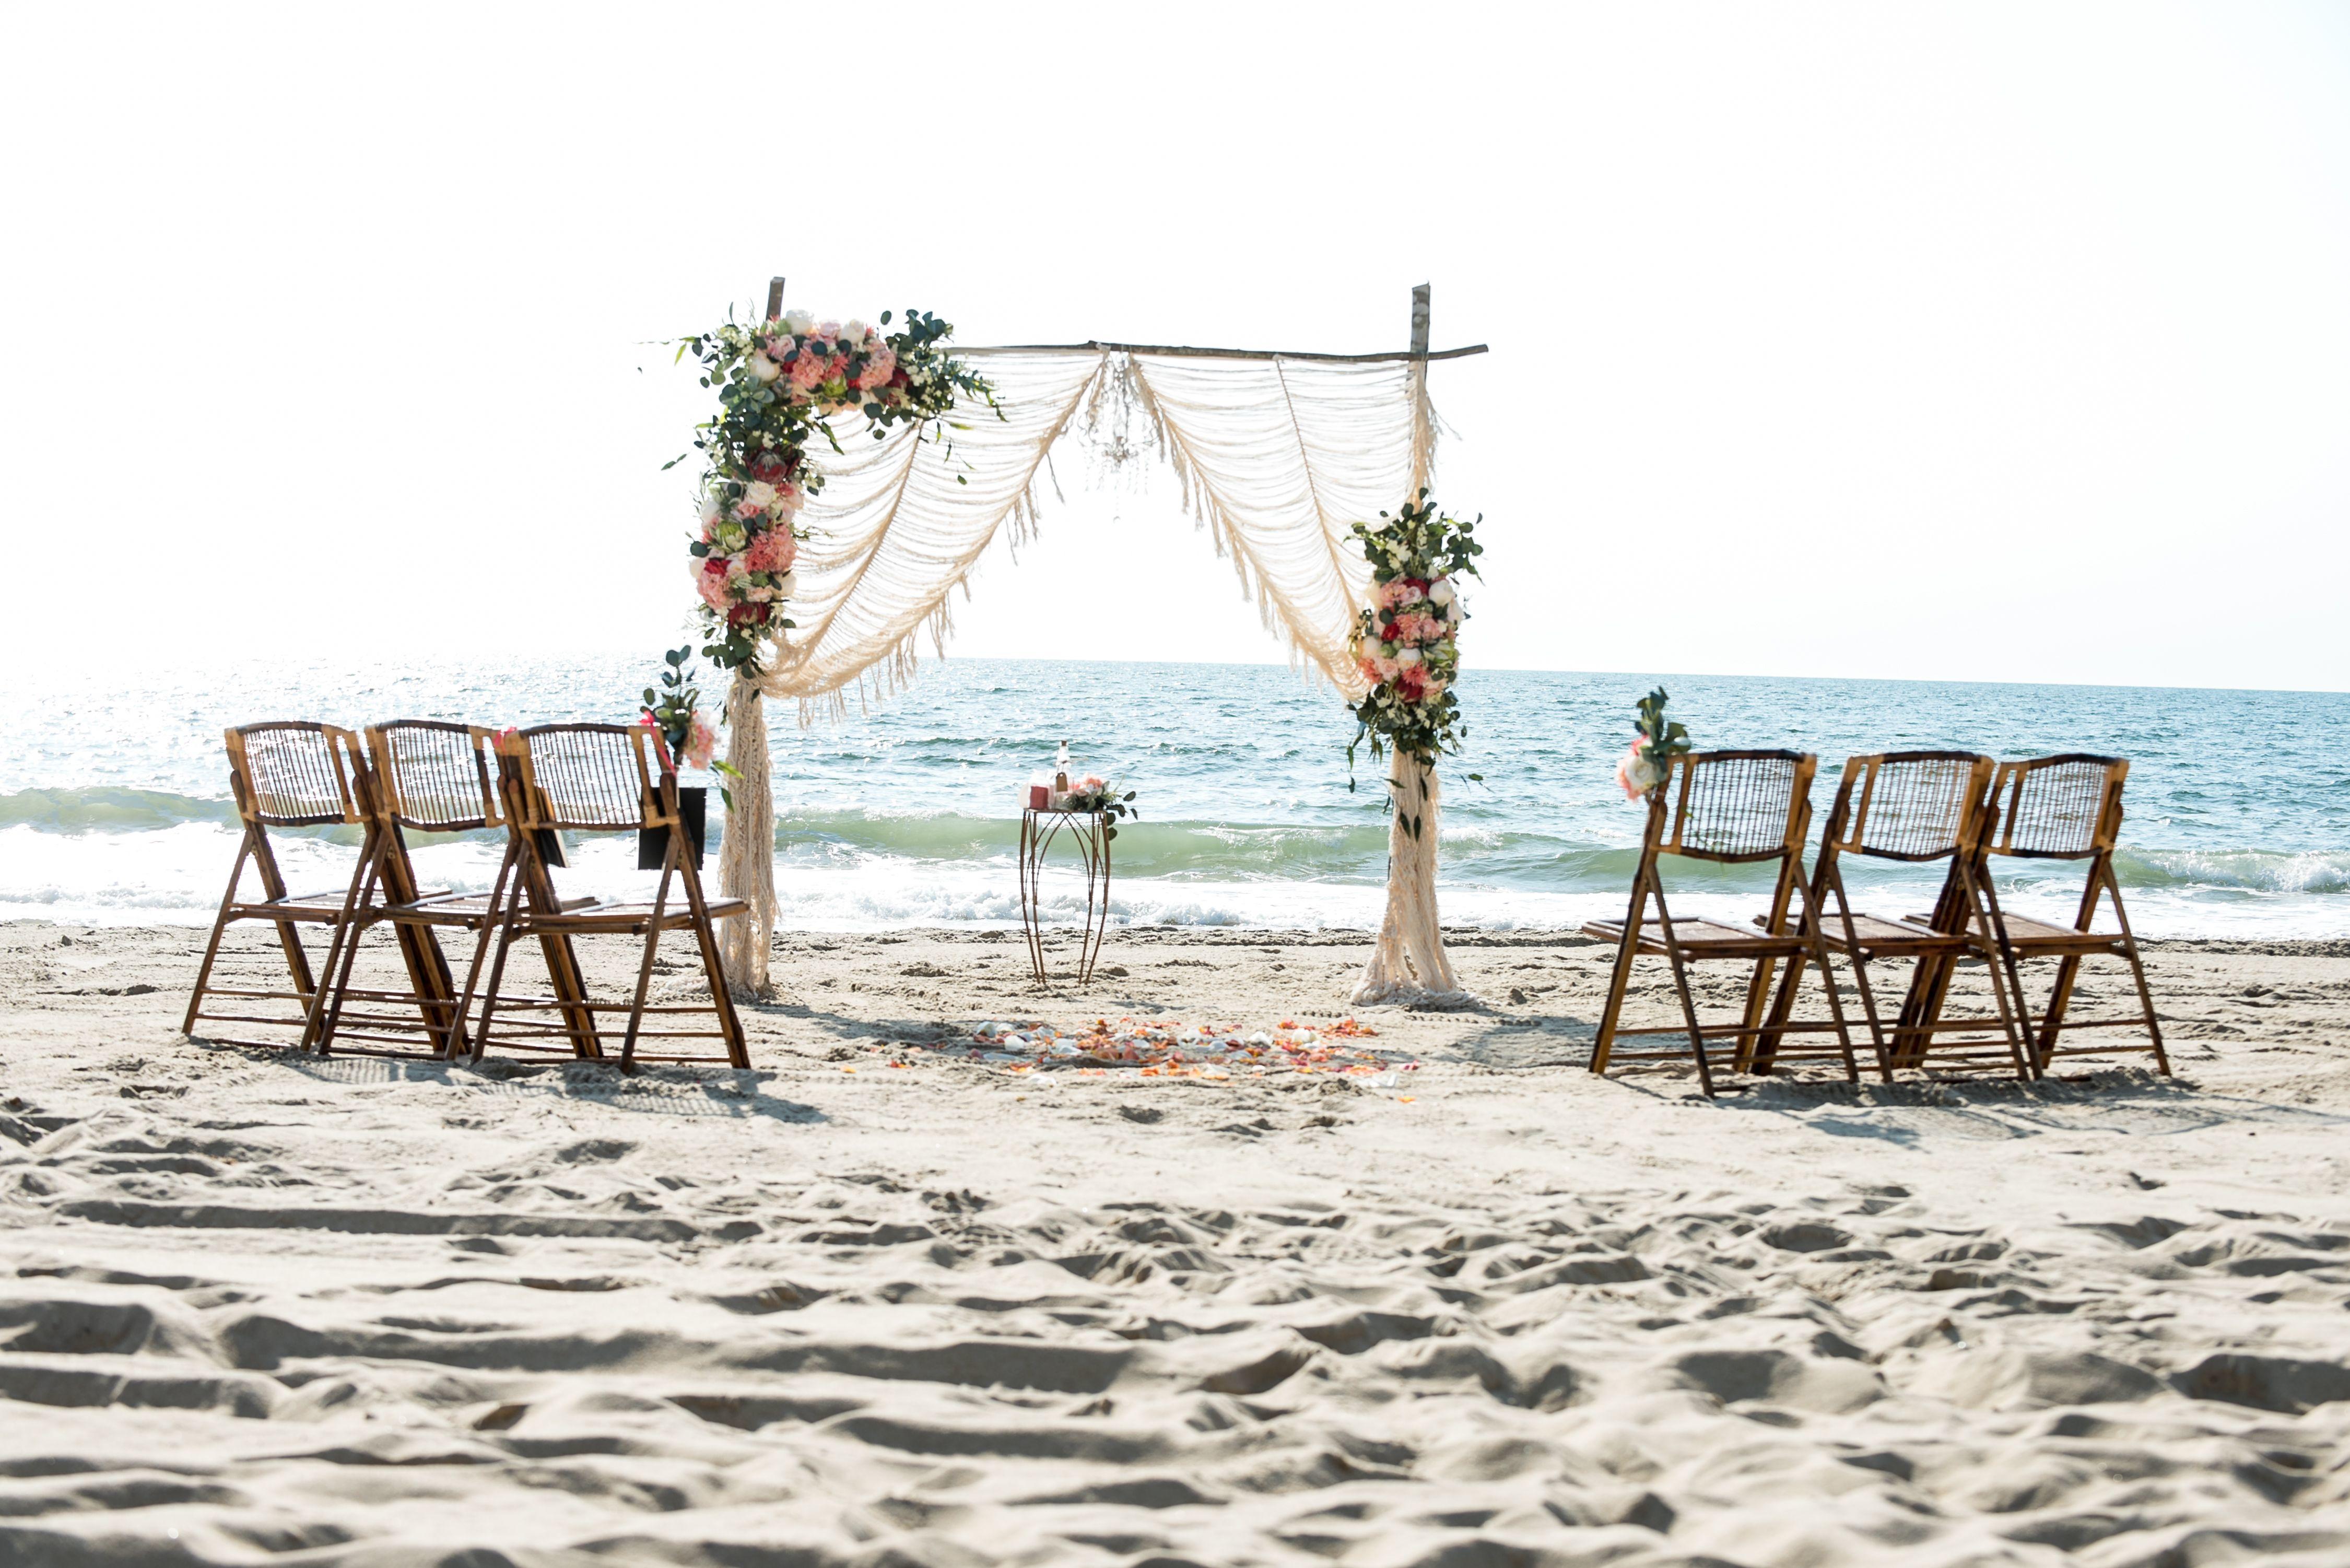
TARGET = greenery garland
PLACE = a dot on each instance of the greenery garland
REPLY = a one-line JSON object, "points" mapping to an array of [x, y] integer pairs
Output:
{"points": [[777, 383]]}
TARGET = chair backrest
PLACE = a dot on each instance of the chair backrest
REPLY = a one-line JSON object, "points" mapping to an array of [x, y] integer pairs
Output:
{"points": [[293, 772], [434, 776], [2065, 808], [1738, 806], [592, 778], [1909, 806]]}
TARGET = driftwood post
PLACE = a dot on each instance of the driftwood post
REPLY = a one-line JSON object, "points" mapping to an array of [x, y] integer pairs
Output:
{"points": [[1408, 962], [746, 849]]}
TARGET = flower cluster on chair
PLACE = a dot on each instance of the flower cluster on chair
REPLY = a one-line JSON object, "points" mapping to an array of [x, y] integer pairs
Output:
{"points": [[675, 711], [1654, 743], [777, 384], [1407, 643]]}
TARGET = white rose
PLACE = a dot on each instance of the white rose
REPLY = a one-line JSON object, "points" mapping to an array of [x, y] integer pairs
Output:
{"points": [[853, 332], [1453, 612], [709, 510], [1441, 591], [1407, 657], [798, 322], [787, 585], [762, 367], [1645, 775], [760, 493]]}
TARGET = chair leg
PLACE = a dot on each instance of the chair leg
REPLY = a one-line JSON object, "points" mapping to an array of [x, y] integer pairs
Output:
{"points": [[1689, 1002], [342, 938], [1819, 955], [492, 922], [342, 956], [220, 929], [505, 929], [1876, 1040], [722, 1001], [1620, 977], [653, 946], [2011, 1018], [1762, 1054], [2138, 973], [2060, 1001]]}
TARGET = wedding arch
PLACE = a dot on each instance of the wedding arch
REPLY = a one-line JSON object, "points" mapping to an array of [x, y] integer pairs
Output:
{"points": [[1278, 454]]}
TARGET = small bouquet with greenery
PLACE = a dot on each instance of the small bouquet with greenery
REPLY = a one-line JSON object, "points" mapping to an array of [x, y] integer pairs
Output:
{"points": [[1654, 743], [1097, 794], [674, 710]]}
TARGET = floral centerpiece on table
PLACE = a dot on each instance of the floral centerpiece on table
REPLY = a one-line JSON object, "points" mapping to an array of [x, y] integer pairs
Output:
{"points": [[1654, 743], [777, 382], [675, 711], [1406, 644], [1094, 793]]}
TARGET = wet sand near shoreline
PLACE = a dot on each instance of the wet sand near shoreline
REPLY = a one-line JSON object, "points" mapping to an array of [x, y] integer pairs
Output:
{"points": [[874, 1301]]}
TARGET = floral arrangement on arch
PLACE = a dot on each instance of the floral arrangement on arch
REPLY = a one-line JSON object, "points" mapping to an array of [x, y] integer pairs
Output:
{"points": [[1407, 644], [777, 382]]}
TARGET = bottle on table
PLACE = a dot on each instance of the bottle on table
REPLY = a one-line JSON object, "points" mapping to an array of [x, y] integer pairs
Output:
{"points": [[1061, 776]]}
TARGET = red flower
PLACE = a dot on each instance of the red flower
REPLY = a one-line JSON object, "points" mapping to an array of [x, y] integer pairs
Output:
{"points": [[770, 466], [747, 615], [1411, 683], [715, 565]]}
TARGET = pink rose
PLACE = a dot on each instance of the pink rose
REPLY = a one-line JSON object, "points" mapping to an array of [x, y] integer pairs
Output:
{"points": [[829, 331], [746, 508], [879, 370], [712, 585], [773, 551], [700, 742], [807, 371]]}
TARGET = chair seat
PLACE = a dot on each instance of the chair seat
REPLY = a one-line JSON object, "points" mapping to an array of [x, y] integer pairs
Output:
{"points": [[630, 915], [1700, 939], [455, 910], [1877, 934], [2027, 934], [325, 907]]}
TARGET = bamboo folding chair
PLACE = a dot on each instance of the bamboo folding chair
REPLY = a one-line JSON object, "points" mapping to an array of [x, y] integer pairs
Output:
{"points": [[1914, 807], [601, 778], [1731, 808], [2067, 807], [422, 775], [283, 773]]}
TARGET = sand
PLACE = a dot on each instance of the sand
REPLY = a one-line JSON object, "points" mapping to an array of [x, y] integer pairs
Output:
{"points": [[263, 1309]]}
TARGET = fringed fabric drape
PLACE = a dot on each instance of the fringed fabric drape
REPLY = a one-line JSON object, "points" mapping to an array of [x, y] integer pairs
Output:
{"points": [[1277, 458]]}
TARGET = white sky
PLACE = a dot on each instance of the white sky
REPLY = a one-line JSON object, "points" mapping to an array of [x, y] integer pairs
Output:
{"points": [[1966, 341]]}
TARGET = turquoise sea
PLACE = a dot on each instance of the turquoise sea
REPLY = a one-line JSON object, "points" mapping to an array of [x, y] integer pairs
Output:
{"points": [[113, 802]]}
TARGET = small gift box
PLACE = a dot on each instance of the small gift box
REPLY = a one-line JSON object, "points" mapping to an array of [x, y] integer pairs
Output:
{"points": [[1040, 797]]}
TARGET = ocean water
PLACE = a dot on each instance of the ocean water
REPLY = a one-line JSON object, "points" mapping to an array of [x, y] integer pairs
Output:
{"points": [[114, 803]]}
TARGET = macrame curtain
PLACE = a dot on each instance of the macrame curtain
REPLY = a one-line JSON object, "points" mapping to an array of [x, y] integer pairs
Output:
{"points": [[1277, 458]]}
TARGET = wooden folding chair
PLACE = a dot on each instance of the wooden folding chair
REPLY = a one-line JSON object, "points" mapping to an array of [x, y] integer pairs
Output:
{"points": [[423, 775], [283, 773], [2067, 807], [1913, 807], [1731, 808], [601, 778]]}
